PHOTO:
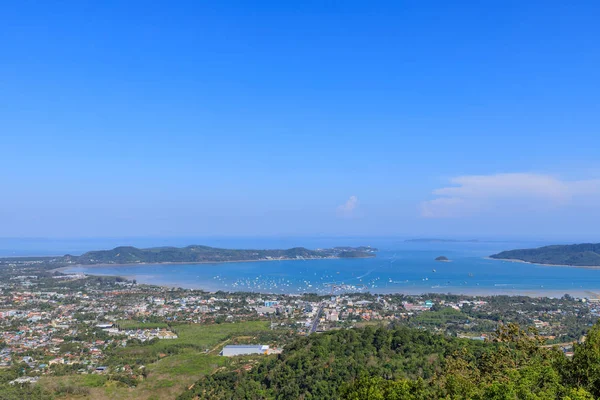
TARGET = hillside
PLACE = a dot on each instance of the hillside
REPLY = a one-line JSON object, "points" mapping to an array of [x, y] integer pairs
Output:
{"points": [[403, 363], [133, 255], [577, 255]]}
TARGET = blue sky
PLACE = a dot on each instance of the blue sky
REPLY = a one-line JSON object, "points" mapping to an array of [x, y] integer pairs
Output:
{"points": [[321, 118]]}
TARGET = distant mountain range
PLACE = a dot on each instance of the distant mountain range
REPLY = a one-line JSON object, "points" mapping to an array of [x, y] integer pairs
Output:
{"points": [[435, 240], [192, 254], [576, 255]]}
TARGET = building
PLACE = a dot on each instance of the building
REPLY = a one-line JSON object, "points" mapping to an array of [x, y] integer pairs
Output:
{"points": [[25, 379], [266, 310], [240, 350], [333, 316], [164, 334]]}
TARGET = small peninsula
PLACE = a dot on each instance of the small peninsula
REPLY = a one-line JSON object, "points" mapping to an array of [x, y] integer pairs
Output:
{"points": [[442, 259], [206, 254], [574, 255]]}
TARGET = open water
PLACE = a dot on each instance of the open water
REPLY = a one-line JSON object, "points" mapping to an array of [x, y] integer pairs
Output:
{"points": [[400, 267]]}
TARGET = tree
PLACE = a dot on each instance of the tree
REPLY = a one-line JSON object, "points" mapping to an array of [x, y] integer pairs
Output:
{"points": [[584, 369]]}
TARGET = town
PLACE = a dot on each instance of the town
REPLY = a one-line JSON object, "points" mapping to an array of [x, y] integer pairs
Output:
{"points": [[110, 332]]}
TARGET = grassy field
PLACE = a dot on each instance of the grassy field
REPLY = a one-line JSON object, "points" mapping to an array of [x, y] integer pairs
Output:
{"points": [[209, 335], [131, 324], [181, 362], [191, 337], [441, 318], [363, 324]]}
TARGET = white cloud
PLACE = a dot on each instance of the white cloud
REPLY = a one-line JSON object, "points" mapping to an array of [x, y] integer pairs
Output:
{"points": [[475, 194], [348, 207]]}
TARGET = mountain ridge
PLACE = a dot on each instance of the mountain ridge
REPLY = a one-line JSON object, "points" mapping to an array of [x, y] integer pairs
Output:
{"points": [[199, 254], [575, 255]]}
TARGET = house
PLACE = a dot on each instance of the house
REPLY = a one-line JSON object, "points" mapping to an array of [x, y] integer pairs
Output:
{"points": [[333, 316], [244, 349], [24, 380], [266, 310], [164, 334]]}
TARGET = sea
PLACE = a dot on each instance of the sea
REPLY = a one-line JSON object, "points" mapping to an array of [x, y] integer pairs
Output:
{"points": [[399, 267]]}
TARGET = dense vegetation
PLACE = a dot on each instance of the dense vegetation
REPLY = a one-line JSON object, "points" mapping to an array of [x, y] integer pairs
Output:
{"points": [[189, 254], [579, 255], [404, 363], [128, 254]]}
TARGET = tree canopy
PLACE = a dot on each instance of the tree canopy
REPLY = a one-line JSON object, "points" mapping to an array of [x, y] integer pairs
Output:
{"points": [[407, 364]]}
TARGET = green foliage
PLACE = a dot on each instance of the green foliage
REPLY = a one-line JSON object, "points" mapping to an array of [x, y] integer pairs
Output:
{"points": [[584, 369], [94, 380], [587, 254], [320, 366], [192, 338], [17, 392], [377, 388], [190, 363], [132, 324], [65, 389], [408, 364], [440, 318], [128, 254]]}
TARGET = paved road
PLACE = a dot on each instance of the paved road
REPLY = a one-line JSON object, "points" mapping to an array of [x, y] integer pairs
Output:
{"points": [[315, 324]]}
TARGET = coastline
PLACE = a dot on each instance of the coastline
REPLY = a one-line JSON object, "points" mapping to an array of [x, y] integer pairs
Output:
{"points": [[60, 269], [544, 265], [152, 274], [533, 293], [464, 291]]}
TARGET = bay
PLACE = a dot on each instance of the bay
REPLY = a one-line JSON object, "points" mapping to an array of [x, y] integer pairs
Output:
{"points": [[400, 267]]}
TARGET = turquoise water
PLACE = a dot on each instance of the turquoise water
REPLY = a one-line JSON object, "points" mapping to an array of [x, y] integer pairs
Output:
{"points": [[399, 267]]}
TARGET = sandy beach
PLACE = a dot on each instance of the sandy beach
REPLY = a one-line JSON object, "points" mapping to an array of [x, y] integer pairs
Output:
{"points": [[61, 269]]}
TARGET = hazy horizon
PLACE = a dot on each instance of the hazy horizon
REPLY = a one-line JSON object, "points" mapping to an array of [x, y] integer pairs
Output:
{"points": [[76, 246]]}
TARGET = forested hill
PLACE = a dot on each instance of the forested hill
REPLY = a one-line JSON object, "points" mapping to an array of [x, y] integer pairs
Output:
{"points": [[132, 255], [410, 364], [578, 255]]}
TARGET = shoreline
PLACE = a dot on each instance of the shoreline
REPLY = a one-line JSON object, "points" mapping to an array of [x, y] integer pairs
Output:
{"points": [[544, 265], [156, 279], [60, 269], [472, 291]]}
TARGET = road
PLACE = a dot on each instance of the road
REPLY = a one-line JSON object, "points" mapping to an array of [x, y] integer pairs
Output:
{"points": [[315, 324]]}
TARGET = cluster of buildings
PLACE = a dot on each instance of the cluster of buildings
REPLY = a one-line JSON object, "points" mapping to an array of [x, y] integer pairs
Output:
{"points": [[50, 321], [142, 335]]}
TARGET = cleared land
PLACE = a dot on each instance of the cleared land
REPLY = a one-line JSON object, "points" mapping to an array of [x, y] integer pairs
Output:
{"points": [[173, 365]]}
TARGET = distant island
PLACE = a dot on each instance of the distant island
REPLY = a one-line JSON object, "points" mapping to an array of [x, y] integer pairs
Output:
{"points": [[442, 258], [205, 254], [435, 240], [575, 255]]}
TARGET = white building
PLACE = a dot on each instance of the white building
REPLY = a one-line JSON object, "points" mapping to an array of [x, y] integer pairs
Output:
{"points": [[240, 350]]}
